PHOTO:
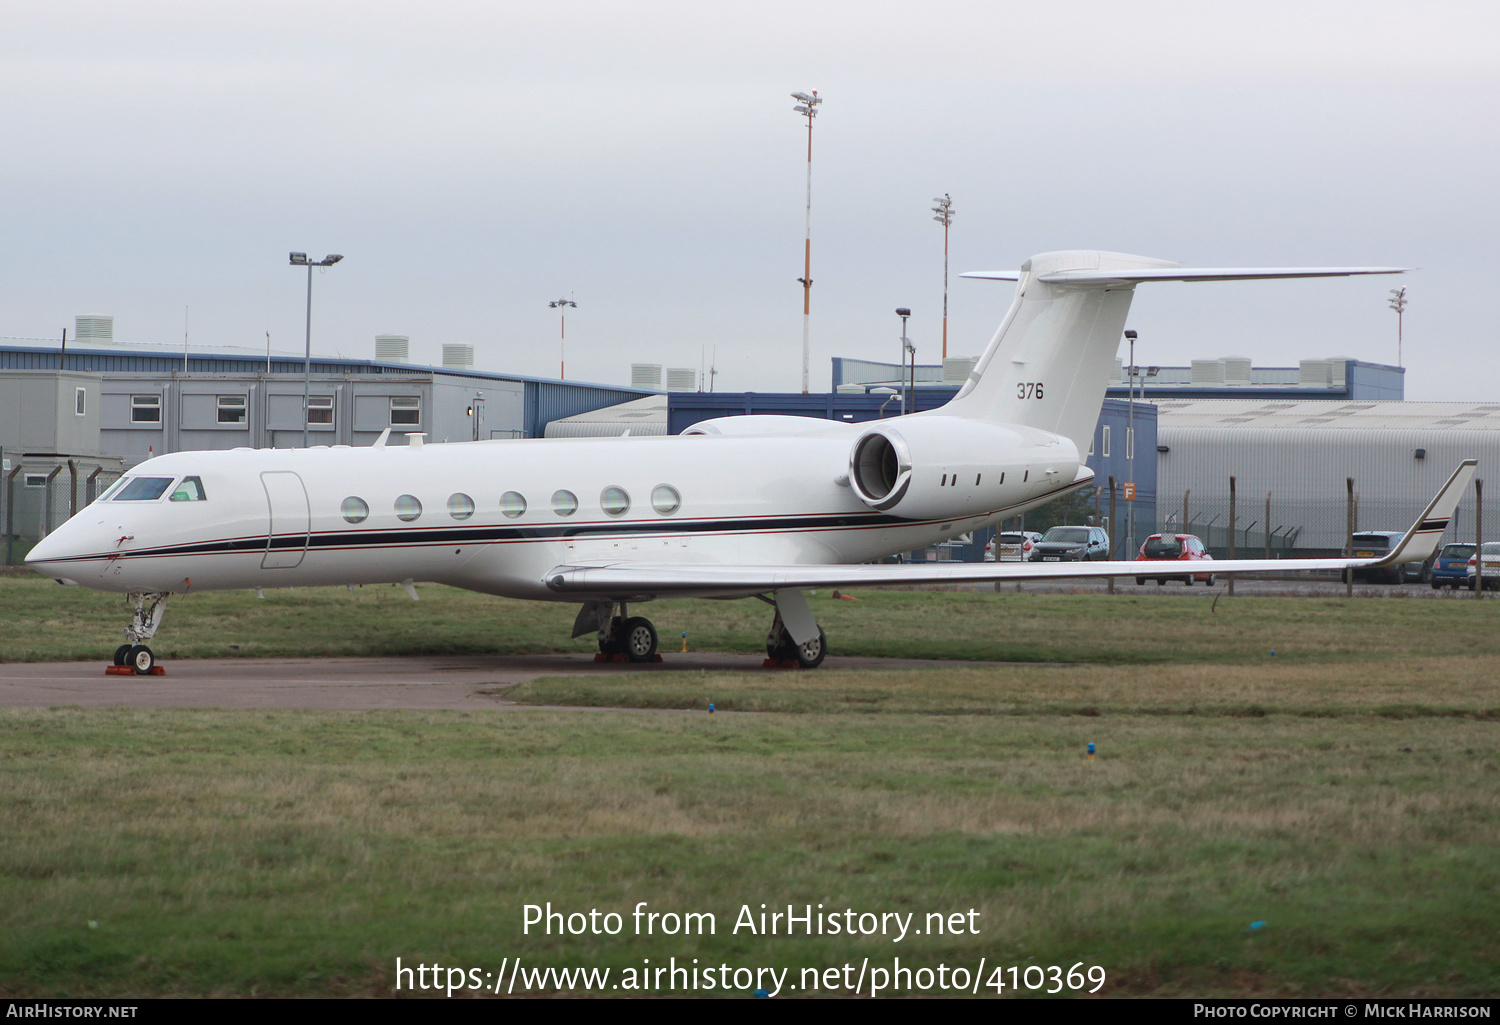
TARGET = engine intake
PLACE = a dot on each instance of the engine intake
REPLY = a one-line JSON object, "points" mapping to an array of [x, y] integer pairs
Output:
{"points": [[880, 469]]}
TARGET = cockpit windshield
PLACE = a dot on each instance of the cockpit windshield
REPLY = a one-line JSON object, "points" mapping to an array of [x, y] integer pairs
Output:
{"points": [[190, 490], [142, 489]]}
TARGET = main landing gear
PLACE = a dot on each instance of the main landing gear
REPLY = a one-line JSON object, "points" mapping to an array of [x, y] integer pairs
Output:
{"points": [[632, 637], [783, 650], [133, 657]]}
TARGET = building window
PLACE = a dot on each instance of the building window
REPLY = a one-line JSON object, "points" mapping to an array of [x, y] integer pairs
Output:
{"points": [[1104, 441], [320, 409], [36, 480], [80, 396], [406, 410], [232, 409], [145, 409]]}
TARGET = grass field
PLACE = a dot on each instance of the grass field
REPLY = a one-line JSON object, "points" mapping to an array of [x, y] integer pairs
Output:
{"points": [[1345, 792]]}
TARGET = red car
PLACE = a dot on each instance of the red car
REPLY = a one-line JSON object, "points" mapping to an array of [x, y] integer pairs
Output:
{"points": [[1175, 548]]}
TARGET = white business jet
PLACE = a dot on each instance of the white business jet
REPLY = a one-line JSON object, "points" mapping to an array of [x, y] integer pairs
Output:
{"points": [[746, 506]]}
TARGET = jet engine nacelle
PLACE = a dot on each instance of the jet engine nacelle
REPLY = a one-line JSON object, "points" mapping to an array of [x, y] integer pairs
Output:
{"points": [[948, 467]]}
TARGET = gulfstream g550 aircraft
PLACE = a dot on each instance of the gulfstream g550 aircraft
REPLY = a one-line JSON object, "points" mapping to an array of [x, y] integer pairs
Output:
{"points": [[750, 506]]}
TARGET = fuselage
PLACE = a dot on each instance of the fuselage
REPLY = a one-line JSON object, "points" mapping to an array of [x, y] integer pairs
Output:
{"points": [[496, 516]]}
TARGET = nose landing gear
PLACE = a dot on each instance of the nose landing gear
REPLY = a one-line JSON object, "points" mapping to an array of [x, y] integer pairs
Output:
{"points": [[133, 657]]}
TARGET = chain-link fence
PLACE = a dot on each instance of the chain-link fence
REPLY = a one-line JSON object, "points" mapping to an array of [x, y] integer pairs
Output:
{"points": [[37, 498]]}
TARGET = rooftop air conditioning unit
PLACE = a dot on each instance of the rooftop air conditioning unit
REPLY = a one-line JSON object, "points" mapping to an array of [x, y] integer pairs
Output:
{"points": [[645, 375], [93, 327], [682, 379], [392, 348], [458, 356]]}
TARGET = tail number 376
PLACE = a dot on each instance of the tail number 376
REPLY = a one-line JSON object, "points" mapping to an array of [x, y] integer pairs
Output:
{"points": [[1029, 390]]}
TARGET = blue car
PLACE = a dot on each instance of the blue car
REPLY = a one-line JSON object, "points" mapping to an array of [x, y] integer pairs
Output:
{"points": [[1451, 567]]}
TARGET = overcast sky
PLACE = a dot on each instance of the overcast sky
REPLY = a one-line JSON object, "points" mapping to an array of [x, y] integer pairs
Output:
{"points": [[473, 161]]}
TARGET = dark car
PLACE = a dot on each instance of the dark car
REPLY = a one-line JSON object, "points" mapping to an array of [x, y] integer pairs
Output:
{"points": [[1372, 544], [1071, 544], [1163, 548], [1451, 567]]}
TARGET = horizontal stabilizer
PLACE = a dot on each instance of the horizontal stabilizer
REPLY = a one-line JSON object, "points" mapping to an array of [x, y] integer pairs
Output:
{"points": [[1124, 277]]}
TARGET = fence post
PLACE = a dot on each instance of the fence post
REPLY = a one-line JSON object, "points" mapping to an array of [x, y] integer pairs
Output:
{"points": [[1268, 527], [1113, 550], [1349, 535], [72, 489], [90, 487], [1478, 538], [10, 515], [1184, 527], [1231, 531]]}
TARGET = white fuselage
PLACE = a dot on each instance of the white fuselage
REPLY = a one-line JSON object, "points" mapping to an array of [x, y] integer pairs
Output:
{"points": [[276, 517]]}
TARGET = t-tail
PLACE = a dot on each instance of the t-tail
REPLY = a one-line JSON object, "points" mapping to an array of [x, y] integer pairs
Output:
{"points": [[1050, 360]]}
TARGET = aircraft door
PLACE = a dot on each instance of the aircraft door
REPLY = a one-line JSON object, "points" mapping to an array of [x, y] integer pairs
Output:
{"points": [[290, 519]]}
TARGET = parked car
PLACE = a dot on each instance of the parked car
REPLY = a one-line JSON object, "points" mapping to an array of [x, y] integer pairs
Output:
{"points": [[1490, 552], [1012, 546], [1071, 544], [1372, 544], [1451, 566], [1163, 548]]}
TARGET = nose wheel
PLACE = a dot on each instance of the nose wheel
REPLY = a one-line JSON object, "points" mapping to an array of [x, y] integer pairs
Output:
{"points": [[133, 657]]}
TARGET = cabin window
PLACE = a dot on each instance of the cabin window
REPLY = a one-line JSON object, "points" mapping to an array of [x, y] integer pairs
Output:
{"points": [[145, 409], [408, 508], [460, 506], [190, 490], [144, 489], [355, 510], [665, 499], [513, 504], [564, 503], [406, 409], [232, 409], [1104, 441], [80, 398], [320, 409], [614, 501]]}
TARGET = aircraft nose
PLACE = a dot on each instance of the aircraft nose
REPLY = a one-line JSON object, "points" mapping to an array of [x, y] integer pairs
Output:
{"points": [[53, 555]]}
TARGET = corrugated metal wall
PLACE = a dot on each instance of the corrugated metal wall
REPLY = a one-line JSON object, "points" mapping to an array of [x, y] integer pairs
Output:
{"points": [[1304, 470]]}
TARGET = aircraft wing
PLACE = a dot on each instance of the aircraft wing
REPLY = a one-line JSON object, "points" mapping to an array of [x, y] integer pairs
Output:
{"points": [[1094, 277], [700, 580]]}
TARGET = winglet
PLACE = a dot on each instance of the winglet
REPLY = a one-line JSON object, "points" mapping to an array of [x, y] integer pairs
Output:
{"points": [[1423, 538]]}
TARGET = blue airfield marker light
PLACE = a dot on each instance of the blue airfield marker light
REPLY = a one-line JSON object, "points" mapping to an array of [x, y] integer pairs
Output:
{"points": [[1091, 750], [710, 708], [684, 641]]}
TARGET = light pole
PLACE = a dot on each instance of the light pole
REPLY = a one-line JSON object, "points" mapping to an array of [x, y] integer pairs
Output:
{"points": [[1130, 447], [561, 306], [907, 348], [807, 106], [1398, 303], [301, 260], [944, 211]]}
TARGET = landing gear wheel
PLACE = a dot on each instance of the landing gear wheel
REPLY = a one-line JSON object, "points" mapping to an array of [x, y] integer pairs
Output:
{"points": [[638, 639], [122, 655], [141, 659], [1210, 580], [810, 655]]}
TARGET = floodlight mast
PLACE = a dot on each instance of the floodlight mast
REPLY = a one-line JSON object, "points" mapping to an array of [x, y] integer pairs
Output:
{"points": [[907, 348], [561, 306], [807, 106], [301, 260], [944, 211], [1398, 303]]}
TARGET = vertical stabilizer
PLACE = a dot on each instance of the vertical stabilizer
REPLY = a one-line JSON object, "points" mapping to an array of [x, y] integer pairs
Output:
{"points": [[1049, 362]]}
